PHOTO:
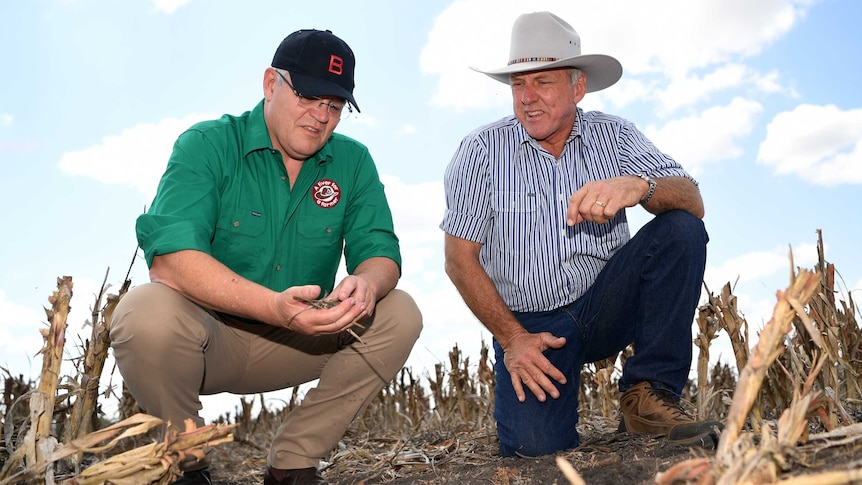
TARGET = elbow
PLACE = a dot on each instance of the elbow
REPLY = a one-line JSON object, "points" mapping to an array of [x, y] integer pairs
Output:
{"points": [[449, 268], [161, 271], [454, 269], [156, 270], [699, 209]]}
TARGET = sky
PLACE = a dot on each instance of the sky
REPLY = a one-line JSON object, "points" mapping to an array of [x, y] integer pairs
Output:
{"points": [[758, 100]]}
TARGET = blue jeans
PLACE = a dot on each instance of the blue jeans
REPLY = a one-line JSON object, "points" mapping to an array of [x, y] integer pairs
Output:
{"points": [[646, 295]]}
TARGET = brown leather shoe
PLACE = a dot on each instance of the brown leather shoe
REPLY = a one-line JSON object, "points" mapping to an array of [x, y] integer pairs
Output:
{"points": [[298, 476], [655, 412]]}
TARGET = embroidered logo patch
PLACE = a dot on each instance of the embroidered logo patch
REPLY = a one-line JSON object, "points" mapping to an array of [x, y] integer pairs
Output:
{"points": [[326, 193]]}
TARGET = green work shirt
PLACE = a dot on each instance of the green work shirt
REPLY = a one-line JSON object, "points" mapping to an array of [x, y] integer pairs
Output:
{"points": [[226, 192]]}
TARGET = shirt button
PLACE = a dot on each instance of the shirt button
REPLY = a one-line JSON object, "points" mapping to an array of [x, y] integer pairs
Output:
{"points": [[284, 177], [278, 267], [235, 223], [328, 230]]}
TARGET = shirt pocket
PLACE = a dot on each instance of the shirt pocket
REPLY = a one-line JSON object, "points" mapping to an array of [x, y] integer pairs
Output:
{"points": [[320, 245], [515, 218], [239, 240]]}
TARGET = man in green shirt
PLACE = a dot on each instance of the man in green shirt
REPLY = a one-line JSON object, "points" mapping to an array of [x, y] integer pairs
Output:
{"points": [[249, 224]]}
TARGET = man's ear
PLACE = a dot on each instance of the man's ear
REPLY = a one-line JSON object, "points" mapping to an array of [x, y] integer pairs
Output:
{"points": [[580, 88], [270, 79]]}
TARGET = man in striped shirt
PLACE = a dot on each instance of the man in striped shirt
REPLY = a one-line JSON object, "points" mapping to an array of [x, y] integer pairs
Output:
{"points": [[538, 245]]}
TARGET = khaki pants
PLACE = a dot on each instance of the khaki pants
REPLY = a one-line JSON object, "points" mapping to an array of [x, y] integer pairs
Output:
{"points": [[170, 351]]}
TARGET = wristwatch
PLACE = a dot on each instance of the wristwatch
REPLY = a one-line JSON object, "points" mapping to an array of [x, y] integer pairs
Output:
{"points": [[652, 185]]}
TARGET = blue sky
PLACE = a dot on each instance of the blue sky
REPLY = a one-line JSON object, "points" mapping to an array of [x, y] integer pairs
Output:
{"points": [[759, 100]]}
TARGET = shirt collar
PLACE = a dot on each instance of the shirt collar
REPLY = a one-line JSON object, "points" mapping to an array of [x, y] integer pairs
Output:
{"points": [[256, 134], [578, 126], [577, 131], [257, 137]]}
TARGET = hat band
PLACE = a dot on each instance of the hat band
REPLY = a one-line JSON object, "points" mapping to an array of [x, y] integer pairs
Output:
{"points": [[533, 59]]}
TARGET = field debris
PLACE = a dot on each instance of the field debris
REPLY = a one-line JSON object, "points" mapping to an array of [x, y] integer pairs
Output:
{"points": [[811, 349], [790, 399]]}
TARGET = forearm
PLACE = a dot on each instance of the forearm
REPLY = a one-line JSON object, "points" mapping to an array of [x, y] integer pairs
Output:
{"points": [[675, 193], [209, 283], [381, 274]]}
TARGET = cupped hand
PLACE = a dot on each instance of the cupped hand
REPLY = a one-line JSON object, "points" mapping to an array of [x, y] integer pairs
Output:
{"points": [[359, 290], [304, 318], [529, 367]]}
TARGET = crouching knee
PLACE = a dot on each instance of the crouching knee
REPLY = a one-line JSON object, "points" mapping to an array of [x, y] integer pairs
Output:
{"points": [[403, 315], [152, 316]]}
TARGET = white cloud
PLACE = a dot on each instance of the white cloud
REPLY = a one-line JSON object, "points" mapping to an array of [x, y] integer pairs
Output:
{"points": [[169, 6], [758, 265], [630, 90], [769, 83], [136, 157], [707, 137], [456, 42], [819, 144], [666, 40], [689, 90], [677, 37], [417, 209], [20, 339]]}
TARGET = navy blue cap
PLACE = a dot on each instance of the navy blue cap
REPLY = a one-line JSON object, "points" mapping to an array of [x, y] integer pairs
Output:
{"points": [[320, 64]]}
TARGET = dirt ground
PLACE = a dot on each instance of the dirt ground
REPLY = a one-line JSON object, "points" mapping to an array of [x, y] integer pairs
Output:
{"points": [[604, 457], [617, 459]]}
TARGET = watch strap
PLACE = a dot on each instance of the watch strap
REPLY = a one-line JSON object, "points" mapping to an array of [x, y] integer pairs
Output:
{"points": [[652, 185]]}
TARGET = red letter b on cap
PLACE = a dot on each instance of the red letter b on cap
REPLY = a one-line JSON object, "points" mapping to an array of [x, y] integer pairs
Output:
{"points": [[336, 65]]}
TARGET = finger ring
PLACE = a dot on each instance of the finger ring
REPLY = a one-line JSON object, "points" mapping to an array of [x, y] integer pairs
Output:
{"points": [[600, 204]]}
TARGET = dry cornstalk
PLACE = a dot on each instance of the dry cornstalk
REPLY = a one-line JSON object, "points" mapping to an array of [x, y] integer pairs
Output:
{"points": [[765, 352], [843, 477], [763, 465], [737, 330], [156, 462], [42, 401], [735, 457], [734, 324], [95, 354], [602, 379], [707, 324], [723, 308], [458, 383]]}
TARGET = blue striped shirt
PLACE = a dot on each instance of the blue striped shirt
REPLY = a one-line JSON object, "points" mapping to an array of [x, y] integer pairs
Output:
{"points": [[506, 192]]}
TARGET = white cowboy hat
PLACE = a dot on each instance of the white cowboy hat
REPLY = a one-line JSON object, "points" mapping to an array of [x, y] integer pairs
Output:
{"points": [[542, 41]]}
